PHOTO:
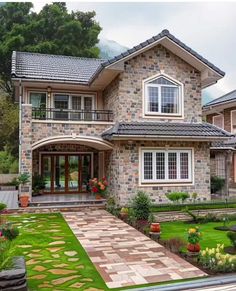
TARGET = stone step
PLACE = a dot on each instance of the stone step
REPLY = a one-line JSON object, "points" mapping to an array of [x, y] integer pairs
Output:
{"points": [[64, 203]]}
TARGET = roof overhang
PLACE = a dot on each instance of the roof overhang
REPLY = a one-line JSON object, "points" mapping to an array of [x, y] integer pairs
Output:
{"points": [[218, 108]]}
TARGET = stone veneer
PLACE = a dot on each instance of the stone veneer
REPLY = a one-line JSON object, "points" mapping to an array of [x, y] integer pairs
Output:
{"points": [[124, 94], [123, 171]]}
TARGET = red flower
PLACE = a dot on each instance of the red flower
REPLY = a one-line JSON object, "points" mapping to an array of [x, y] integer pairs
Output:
{"points": [[94, 189]]}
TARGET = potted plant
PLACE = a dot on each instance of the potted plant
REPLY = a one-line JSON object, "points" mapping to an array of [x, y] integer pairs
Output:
{"points": [[22, 180], [194, 237], [155, 227], [98, 187], [124, 212], [38, 185]]}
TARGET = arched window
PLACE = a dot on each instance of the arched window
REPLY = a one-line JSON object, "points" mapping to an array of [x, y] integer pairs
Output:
{"points": [[162, 97]]}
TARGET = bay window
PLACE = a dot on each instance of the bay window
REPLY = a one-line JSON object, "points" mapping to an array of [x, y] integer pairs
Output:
{"points": [[162, 97], [166, 166]]}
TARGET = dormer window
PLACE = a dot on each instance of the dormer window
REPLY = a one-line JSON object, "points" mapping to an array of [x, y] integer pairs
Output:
{"points": [[163, 96]]}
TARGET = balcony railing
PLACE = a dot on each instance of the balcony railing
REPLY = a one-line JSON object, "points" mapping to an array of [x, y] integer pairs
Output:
{"points": [[71, 115]]}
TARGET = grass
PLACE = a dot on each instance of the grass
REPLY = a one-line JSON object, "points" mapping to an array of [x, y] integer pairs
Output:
{"points": [[210, 236], [197, 206], [37, 231]]}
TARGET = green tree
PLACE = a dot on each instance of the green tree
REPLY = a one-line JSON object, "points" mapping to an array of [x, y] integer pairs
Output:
{"points": [[53, 30]]}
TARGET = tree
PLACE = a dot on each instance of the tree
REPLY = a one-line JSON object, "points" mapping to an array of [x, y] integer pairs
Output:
{"points": [[53, 30]]}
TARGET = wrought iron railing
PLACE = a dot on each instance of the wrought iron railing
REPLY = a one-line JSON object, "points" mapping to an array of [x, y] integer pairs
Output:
{"points": [[71, 115]]}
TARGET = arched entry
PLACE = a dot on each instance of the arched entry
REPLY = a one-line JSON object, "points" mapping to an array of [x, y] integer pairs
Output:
{"points": [[67, 164]]}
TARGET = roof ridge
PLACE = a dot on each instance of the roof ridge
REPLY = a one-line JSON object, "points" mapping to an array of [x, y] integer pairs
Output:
{"points": [[218, 98], [59, 55]]}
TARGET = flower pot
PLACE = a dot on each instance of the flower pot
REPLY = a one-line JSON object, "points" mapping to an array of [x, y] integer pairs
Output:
{"points": [[98, 196], [123, 215], [155, 227], [195, 248], [24, 201]]}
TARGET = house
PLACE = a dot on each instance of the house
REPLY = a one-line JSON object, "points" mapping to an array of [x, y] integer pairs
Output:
{"points": [[136, 118], [222, 113]]}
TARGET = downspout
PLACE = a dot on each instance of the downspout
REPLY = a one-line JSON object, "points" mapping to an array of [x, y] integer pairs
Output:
{"points": [[20, 120]]}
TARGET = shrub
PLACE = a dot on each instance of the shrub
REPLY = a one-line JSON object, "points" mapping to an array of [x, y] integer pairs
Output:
{"points": [[232, 236], [2, 206], [23, 179], [141, 205], [177, 196], [8, 164], [194, 196], [217, 184], [175, 244], [111, 206], [9, 231], [214, 260]]}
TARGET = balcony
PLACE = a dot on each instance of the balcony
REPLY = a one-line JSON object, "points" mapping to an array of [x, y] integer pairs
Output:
{"points": [[72, 115]]}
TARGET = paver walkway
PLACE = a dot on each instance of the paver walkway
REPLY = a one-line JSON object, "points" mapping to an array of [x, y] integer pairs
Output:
{"points": [[123, 255]]}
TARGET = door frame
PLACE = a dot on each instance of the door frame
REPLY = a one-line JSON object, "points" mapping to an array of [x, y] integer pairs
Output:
{"points": [[66, 154]]}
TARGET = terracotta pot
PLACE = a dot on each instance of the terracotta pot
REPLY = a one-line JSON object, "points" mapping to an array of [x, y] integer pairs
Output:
{"points": [[24, 201], [194, 248], [155, 227], [98, 196], [123, 215]]}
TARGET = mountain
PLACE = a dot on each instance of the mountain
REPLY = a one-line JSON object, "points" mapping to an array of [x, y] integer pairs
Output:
{"points": [[110, 48]]}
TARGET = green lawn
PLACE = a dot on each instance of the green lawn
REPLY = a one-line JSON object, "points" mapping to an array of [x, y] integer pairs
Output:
{"points": [[210, 236], [55, 258]]}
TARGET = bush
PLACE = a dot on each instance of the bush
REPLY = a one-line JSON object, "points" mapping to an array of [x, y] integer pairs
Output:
{"points": [[177, 196], [217, 184], [111, 206], [232, 236], [175, 244], [214, 260], [2, 206], [141, 205], [8, 164], [9, 231]]}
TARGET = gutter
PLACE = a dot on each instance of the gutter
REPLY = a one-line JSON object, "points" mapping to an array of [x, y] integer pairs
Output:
{"points": [[163, 137], [20, 126], [194, 284]]}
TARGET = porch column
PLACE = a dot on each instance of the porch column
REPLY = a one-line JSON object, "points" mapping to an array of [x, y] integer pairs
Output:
{"points": [[26, 147], [228, 165]]}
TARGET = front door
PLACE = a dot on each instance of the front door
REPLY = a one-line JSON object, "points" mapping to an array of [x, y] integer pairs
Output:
{"points": [[66, 173]]}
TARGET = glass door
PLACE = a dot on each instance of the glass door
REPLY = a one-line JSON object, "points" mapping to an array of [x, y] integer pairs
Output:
{"points": [[85, 172], [73, 173], [61, 104], [60, 183]]}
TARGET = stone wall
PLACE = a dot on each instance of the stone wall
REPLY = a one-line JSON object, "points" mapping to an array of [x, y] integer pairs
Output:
{"points": [[126, 90], [123, 171]]}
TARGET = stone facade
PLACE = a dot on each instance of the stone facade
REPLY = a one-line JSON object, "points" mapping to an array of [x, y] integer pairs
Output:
{"points": [[123, 171], [126, 90]]}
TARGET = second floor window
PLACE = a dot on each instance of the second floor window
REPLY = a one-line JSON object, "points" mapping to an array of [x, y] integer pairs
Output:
{"points": [[163, 97], [38, 100]]}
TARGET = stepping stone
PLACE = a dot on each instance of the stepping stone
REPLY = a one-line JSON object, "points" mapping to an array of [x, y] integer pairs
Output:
{"points": [[87, 280], [77, 285], [61, 271], [48, 261], [80, 267], [53, 230], [63, 280], [73, 259], [60, 242], [53, 250], [36, 251], [93, 289], [34, 255], [45, 285], [60, 265], [70, 253], [57, 237], [56, 256], [32, 262], [39, 268], [25, 246], [38, 277]]}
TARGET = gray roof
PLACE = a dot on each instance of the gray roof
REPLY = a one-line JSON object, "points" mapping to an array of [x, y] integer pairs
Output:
{"points": [[81, 70], [164, 33], [229, 97], [54, 67], [165, 129]]}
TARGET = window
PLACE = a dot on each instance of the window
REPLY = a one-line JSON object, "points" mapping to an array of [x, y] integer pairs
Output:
{"points": [[162, 97], [233, 121], [38, 100], [166, 166], [218, 121]]}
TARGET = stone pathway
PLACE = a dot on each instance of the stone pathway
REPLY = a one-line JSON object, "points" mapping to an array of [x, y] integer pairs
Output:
{"points": [[122, 255]]}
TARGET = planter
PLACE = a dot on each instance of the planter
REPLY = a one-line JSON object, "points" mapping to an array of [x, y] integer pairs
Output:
{"points": [[194, 248], [24, 201], [155, 227], [98, 196], [14, 278], [123, 215]]}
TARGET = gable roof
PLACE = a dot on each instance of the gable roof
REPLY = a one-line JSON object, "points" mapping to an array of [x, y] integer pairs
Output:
{"points": [[54, 67], [170, 130], [229, 97], [164, 33], [37, 66]]}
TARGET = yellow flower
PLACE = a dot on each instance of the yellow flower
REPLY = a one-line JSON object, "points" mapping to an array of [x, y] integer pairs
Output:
{"points": [[192, 230]]}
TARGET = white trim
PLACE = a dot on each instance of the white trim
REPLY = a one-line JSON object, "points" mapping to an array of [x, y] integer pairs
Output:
{"points": [[73, 122], [36, 91], [218, 115], [168, 182], [92, 141], [231, 123], [158, 115], [167, 138]]}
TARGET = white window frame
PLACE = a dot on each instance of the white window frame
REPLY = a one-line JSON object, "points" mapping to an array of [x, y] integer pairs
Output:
{"points": [[217, 116], [151, 114], [231, 120], [167, 181], [39, 92], [70, 99]]}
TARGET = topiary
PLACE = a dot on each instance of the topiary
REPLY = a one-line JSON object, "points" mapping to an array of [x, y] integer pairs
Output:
{"points": [[141, 205], [232, 236]]}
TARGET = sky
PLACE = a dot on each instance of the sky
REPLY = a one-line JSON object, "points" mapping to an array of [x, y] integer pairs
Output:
{"points": [[207, 27]]}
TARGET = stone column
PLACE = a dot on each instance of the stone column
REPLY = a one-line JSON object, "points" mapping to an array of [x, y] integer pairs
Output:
{"points": [[26, 147], [228, 165]]}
